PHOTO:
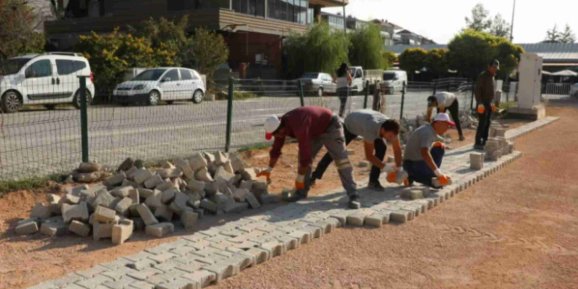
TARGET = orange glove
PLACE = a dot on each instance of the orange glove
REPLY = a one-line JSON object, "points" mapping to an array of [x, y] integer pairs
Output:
{"points": [[300, 182], [444, 180], [266, 173], [494, 108], [439, 144], [392, 177], [481, 109]]}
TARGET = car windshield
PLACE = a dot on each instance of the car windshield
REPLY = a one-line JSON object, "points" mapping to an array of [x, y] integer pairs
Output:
{"points": [[310, 75], [13, 65], [389, 76], [151, 74]]}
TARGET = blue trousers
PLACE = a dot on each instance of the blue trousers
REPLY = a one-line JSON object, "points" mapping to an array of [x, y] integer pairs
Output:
{"points": [[419, 171]]}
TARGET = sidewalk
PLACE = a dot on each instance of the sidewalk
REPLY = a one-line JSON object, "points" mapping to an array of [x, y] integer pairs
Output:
{"points": [[199, 259]]}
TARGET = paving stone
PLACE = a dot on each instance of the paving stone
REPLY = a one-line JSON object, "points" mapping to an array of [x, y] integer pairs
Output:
{"points": [[103, 198], [234, 207], [401, 216], [75, 212], [209, 205], [122, 207], [164, 213], [376, 220], [357, 218], [168, 196], [202, 277], [79, 228], [155, 200], [203, 175], [104, 215], [276, 248], [26, 227], [122, 232], [102, 231], [189, 219], [160, 230], [53, 226], [269, 199], [41, 211], [221, 270], [146, 215]]}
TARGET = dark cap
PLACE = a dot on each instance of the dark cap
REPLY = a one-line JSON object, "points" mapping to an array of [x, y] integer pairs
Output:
{"points": [[495, 62]]}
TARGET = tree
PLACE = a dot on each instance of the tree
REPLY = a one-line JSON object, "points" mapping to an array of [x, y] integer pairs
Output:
{"points": [[471, 51], [112, 54], [209, 50], [412, 60], [567, 36], [366, 47], [168, 35], [553, 35], [319, 49], [500, 27], [480, 19], [389, 58], [436, 62], [17, 36]]}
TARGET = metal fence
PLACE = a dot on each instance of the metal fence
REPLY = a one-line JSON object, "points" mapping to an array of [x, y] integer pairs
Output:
{"points": [[44, 139]]}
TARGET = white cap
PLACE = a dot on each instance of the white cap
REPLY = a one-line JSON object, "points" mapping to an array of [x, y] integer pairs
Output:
{"points": [[444, 117], [272, 123]]}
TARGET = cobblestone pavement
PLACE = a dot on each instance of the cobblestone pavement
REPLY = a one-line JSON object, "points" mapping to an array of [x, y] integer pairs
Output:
{"points": [[197, 260]]}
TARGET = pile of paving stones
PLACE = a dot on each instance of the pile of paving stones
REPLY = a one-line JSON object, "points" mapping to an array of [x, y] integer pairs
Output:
{"points": [[497, 145], [136, 198]]}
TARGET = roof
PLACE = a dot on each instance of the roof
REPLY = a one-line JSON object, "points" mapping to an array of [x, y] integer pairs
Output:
{"points": [[550, 52]]}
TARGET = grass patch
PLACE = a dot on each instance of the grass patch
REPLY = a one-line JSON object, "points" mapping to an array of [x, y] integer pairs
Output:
{"points": [[28, 184], [237, 95], [254, 147]]}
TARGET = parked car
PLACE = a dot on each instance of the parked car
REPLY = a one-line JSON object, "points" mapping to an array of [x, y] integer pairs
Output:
{"points": [[45, 79], [574, 90], [161, 84], [357, 78], [318, 82], [394, 81]]}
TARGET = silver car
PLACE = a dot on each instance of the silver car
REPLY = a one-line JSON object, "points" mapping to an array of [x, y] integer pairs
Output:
{"points": [[319, 83]]}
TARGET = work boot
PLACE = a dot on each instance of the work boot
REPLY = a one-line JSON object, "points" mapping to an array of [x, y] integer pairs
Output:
{"points": [[296, 196], [354, 203], [479, 147], [375, 186]]}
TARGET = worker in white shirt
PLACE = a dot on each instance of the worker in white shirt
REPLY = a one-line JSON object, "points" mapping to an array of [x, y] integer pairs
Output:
{"points": [[443, 101]]}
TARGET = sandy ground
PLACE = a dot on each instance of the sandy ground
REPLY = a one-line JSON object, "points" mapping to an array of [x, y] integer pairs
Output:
{"points": [[516, 229], [28, 260]]}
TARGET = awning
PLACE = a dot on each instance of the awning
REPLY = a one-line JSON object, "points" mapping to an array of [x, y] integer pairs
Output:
{"points": [[565, 73]]}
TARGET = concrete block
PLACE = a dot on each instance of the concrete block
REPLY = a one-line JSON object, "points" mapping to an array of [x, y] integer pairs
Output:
{"points": [[101, 231], [252, 200], [413, 193], [130, 173], [153, 182], [259, 188], [79, 228], [41, 211], [166, 185], [146, 215], [240, 195], [197, 162], [221, 270], [160, 230], [125, 165], [145, 193], [357, 218], [89, 167], [170, 173], [185, 167], [163, 213], [209, 205], [436, 183], [103, 198], [376, 220], [141, 175], [189, 219], [168, 195], [221, 158], [72, 199], [123, 206], [203, 175], [179, 203], [249, 174], [115, 180], [26, 227], [104, 215], [234, 207], [247, 185], [236, 162], [401, 216], [223, 174], [476, 161], [276, 248], [229, 167], [500, 132], [86, 177], [155, 200], [138, 224], [195, 186], [75, 212], [269, 199], [202, 278], [122, 232]]}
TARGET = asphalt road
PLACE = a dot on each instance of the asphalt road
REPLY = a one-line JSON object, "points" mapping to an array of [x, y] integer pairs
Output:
{"points": [[42, 142]]}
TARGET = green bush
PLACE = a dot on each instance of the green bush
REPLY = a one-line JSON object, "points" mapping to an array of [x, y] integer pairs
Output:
{"points": [[389, 58], [112, 54], [366, 47], [436, 62], [412, 60]]}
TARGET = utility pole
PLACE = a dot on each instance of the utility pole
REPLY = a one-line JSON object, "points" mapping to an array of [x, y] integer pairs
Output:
{"points": [[344, 19], [512, 27]]}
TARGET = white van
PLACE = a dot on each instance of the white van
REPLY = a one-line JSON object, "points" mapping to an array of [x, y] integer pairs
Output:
{"points": [[357, 78], [45, 79], [394, 81]]}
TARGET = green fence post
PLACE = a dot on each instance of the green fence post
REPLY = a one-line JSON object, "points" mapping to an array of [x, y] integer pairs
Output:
{"points": [[83, 119], [301, 96], [366, 94], [229, 114], [402, 102]]}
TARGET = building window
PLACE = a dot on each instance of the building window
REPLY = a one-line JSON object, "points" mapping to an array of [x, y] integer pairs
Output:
{"points": [[250, 7], [289, 10]]}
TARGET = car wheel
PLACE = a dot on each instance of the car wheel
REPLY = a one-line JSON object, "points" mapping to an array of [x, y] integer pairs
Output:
{"points": [[154, 97], [50, 106], [11, 102], [198, 96], [320, 92], [76, 100]]}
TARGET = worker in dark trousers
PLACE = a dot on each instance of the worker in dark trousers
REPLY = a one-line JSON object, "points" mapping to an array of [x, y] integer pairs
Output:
{"points": [[424, 155], [313, 127], [377, 130], [443, 101], [484, 92]]}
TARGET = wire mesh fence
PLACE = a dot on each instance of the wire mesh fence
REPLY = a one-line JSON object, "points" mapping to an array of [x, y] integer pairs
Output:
{"points": [[44, 138]]}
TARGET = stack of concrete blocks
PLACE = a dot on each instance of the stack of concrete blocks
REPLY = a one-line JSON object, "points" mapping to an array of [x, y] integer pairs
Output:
{"points": [[497, 147], [477, 161], [136, 198]]}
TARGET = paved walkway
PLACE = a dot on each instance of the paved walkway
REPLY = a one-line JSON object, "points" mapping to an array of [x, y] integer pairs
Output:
{"points": [[197, 260]]}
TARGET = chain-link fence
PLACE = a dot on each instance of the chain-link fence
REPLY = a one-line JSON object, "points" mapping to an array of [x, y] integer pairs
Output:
{"points": [[49, 136]]}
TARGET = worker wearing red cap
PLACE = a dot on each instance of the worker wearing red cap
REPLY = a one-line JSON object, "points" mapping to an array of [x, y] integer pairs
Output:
{"points": [[313, 127], [423, 154]]}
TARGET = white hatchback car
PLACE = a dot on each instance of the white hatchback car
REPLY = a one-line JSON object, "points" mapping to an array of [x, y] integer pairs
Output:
{"points": [[161, 84], [44, 79]]}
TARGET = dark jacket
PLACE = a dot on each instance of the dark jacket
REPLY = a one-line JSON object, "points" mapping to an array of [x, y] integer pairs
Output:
{"points": [[485, 88]]}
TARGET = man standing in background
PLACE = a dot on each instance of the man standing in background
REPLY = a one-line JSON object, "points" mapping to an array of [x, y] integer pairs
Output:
{"points": [[484, 93]]}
